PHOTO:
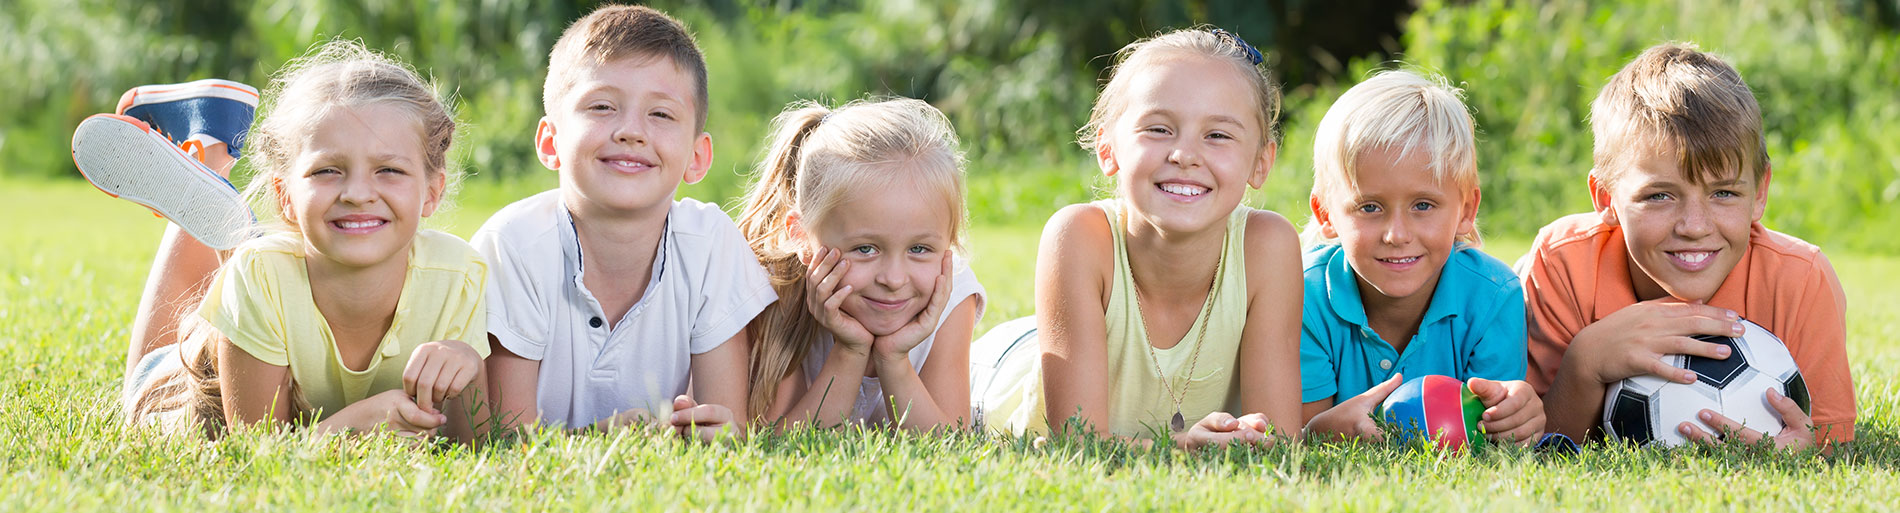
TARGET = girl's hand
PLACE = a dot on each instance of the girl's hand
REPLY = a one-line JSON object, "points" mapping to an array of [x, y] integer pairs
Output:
{"points": [[438, 371], [1513, 414], [1797, 429], [898, 344], [1353, 418], [705, 422], [1221, 428], [824, 297], [391, 410]]}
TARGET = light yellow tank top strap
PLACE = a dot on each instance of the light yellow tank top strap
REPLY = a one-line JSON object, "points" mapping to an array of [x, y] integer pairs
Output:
{"points": [[1138, 396]]}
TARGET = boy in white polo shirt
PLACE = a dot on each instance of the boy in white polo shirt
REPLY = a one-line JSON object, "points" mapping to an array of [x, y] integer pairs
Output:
{"points": [[610, 301]]}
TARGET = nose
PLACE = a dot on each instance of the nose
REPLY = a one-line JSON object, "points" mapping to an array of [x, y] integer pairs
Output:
{"points": [[1696, 221], [358, 189], [890, 274], [631, 131], [1184, 157], [1398, 232]]}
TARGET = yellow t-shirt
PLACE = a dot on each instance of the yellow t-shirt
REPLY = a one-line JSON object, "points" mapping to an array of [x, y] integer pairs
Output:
{"points": [[261, 302]]}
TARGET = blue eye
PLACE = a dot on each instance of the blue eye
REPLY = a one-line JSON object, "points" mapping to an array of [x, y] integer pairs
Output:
{"points": [[1368, 208], [1423, 206], [919, 250], [866, 249], [1727, 194], [1660, 196]]}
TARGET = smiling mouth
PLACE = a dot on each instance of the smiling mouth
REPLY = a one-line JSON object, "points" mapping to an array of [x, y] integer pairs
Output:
{"points": [[627, 166], [1181, 189], [887, 305], [359, 226], [1691, 260]]}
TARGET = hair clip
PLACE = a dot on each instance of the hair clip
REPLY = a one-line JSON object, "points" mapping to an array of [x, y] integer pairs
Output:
{"points": [[1253, 55]]}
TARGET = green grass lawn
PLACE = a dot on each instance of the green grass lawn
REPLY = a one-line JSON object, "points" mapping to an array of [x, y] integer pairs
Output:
{"points": [[72, 262]]}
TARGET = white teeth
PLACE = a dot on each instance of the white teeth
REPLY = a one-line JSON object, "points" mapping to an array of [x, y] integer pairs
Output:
{"points": [[1183, 189], [351, 225], [1405, 260], [1694, 257]]}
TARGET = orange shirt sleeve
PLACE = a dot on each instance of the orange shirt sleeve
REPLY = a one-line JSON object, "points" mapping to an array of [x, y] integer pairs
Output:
{"points": [[1818, 330]]}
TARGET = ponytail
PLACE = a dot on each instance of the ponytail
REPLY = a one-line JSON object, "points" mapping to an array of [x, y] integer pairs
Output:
{"points": [[772, 198]]}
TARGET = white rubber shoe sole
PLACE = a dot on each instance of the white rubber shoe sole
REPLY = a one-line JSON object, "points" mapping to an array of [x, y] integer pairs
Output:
{"points": [[128, 160]]}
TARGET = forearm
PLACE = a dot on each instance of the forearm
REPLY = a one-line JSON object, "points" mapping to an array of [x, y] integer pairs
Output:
{"points": [[829, 399], [910, 401], [1574, 405]]}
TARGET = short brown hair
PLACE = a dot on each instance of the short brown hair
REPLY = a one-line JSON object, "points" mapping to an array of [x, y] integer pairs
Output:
{"points": [[615, 32], [1677, 97]]}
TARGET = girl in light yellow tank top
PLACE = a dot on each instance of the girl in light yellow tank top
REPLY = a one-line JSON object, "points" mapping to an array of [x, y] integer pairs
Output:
{"points": [[1170, 310]]}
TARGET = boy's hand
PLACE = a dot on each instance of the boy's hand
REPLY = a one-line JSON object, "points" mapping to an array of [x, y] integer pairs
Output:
{"points": [[704, 422], [1797, 429], [1633, 341], [1513, 413], [438, 371], [1221, 428], [824, 297], [898, 344], [1353, 418]]}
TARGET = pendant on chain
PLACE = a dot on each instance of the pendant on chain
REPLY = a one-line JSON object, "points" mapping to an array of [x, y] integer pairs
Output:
{"points": [[1177, 422]]}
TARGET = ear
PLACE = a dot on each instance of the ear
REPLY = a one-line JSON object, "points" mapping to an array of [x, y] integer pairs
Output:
{"points": [[1468, 219], [1600, 200], [544, 144], [438, 181], [795, 230], [702, 158], [1105, 154], [1761, 191], [283, 201], [1258, 177], [1324, 218]]}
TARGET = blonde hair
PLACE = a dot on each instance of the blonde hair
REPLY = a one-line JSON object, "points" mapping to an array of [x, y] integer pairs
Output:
{"points": [[1676, 97], [818, 157], [615, 32], [1204, 41], [1404, 110], [341, 73]]}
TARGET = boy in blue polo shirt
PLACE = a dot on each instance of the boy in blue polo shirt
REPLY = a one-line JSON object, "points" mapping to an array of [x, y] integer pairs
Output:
{"points": [[1395, 285]]}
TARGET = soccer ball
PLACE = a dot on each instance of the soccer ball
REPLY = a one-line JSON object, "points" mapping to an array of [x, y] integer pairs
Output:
{"points": [[1441, 405], [1646, 409]]}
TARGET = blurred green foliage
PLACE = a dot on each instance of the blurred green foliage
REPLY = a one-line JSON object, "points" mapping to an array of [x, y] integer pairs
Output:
{"points": [[1017, 79]]}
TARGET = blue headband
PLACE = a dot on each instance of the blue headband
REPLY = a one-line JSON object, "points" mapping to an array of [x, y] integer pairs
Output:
{"points": [[1253, 55]]}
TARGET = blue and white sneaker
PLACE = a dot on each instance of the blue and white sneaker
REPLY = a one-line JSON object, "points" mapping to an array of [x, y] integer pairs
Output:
{"points": [[197, 114], [126, 158]]}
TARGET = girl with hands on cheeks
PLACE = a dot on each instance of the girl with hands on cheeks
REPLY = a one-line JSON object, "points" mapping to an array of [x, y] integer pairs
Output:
{"points": [[856, 214], [349, 313], [1395, 282]]}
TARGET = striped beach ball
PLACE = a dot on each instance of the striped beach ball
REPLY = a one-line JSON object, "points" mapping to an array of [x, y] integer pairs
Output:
{"points": [[1440, 405]]}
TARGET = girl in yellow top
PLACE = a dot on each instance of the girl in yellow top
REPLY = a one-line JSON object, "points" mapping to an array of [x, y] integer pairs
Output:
{"points": [[1169, 308], [354, 317]]}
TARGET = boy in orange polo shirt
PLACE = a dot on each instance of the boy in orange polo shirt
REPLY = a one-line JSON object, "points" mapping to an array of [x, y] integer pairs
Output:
{"points": [[1675, 249]]}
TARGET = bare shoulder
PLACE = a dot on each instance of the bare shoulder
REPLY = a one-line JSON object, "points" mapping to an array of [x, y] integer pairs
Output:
{"points": [[1078, 230], [1077, 250], [1273, 252]]}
